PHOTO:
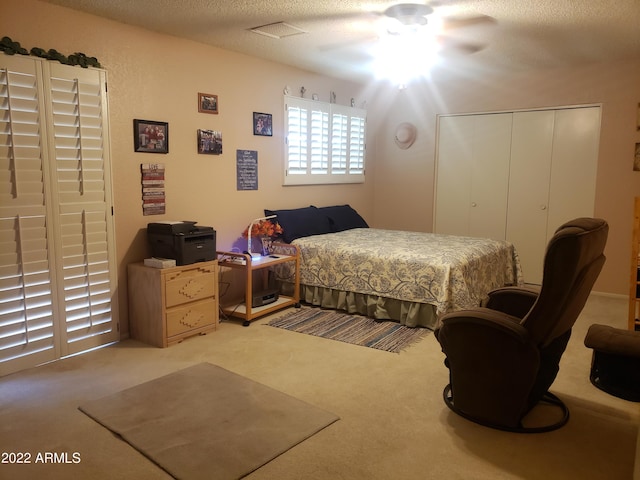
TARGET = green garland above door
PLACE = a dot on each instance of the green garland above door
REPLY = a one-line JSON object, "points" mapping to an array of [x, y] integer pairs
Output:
{"points": [[10, 47]]}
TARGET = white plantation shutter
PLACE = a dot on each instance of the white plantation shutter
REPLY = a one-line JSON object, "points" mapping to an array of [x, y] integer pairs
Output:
{"points": [[356, 144], [77, 109], [339, 128], [298, 150], [325, 143], [27, 331], [308, 138], [57, 271], [319, 137]]}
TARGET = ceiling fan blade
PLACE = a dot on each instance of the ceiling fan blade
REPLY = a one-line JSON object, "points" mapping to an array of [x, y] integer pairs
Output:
{"points": [[452, 45], [451, 23]]}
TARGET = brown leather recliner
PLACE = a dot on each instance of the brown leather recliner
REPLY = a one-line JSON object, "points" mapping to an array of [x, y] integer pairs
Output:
{"points": [[503, 357]]}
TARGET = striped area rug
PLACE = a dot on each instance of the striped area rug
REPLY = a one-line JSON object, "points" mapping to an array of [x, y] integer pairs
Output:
{"points": [[389, 336]]}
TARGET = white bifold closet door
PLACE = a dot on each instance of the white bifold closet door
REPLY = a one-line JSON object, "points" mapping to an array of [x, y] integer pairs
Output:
{"points": [[552, 178], [516, 176], [473, 175], [57, 257]]}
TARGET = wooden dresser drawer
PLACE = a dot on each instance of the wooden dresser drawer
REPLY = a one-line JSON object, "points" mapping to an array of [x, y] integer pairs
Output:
{"points": [[190, 285], [167, 305], [191, 317]]}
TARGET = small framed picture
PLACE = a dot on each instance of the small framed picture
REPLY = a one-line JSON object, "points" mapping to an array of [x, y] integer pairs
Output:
{"points": [[150, 136], [262, 124], [210, 142], [207, 103]]}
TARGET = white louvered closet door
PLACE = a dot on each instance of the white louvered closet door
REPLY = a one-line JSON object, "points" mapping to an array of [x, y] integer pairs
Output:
{"points": [[27, 331], [57, 289], [78, 121]]}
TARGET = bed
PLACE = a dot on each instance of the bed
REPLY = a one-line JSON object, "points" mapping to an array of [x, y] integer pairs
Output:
{"points": [[410, 277]]}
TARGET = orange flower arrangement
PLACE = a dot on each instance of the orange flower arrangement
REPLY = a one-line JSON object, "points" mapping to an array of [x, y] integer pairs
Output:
{"points": [[264, 228]]}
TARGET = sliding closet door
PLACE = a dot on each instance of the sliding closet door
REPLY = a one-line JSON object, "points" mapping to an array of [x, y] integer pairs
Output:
{"points": [[28, 335]]}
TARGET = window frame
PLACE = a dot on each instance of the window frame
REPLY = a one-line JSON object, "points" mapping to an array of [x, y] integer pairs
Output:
{"points": [[319, 159]]}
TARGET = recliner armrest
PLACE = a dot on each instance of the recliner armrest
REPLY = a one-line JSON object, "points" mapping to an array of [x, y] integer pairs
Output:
{"points": [[489, 319], [515, 301]]}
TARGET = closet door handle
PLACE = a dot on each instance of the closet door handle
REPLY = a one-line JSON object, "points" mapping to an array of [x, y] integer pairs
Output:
{"points": [[474, 204], [543, 207]]}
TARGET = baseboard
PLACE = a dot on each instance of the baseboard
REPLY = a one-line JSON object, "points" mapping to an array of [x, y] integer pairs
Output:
{"points": [[617, 296]]}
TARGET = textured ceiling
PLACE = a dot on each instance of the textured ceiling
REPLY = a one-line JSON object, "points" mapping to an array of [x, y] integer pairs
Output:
{"points": [[537, 34]]}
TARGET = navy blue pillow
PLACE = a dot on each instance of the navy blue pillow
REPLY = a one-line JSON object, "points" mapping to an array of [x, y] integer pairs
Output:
{"points": [[301, 222], [343, 217]]}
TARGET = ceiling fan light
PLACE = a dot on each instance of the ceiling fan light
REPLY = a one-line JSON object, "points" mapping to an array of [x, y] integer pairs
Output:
{"points": [[396, 28], [401, 58], [409, 13]]}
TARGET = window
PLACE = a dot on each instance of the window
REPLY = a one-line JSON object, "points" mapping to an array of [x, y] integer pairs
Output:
{"points": [[325, 143]]}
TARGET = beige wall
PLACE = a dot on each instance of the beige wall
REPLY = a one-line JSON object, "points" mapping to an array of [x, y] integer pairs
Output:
{"points": [[404, 198], [157, 77]]}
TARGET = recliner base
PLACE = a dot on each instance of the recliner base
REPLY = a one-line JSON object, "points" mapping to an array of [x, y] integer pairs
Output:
{"points": [[548, 398]]}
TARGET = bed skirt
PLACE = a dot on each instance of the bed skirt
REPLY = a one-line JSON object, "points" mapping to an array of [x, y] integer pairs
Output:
{"points": [[410, 314]]}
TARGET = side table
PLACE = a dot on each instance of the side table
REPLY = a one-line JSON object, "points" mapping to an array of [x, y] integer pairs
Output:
{"points": [[243, 308]]}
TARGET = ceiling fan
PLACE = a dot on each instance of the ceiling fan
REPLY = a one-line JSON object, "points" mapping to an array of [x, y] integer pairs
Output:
{"points": [[411, 17], [409, 13], [417, 18], [412, 37]]}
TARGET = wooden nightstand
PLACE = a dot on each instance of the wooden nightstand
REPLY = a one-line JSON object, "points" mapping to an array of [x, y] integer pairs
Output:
{"points": [[167, 305]]}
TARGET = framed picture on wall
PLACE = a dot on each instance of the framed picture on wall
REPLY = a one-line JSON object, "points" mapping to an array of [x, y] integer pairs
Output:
{"points": [[210, 142], [150, 136], [262, 124], [207, 103]]}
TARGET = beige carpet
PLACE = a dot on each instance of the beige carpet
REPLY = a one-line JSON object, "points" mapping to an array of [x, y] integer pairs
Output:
{"points": [[205, 422], [393, 423]]}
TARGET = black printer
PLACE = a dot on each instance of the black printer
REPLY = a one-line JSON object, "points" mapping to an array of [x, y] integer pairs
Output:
{"points": [[184, 242]]}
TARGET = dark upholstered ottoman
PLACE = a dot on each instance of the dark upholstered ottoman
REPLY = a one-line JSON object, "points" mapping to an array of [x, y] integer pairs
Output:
{"points": [[615, 366]]}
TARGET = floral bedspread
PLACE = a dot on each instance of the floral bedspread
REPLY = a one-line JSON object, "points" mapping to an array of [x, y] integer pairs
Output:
{"points": [[450, 272]]}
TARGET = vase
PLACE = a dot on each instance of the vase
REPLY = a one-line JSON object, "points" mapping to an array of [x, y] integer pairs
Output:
{"points": [[266, 245]]}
